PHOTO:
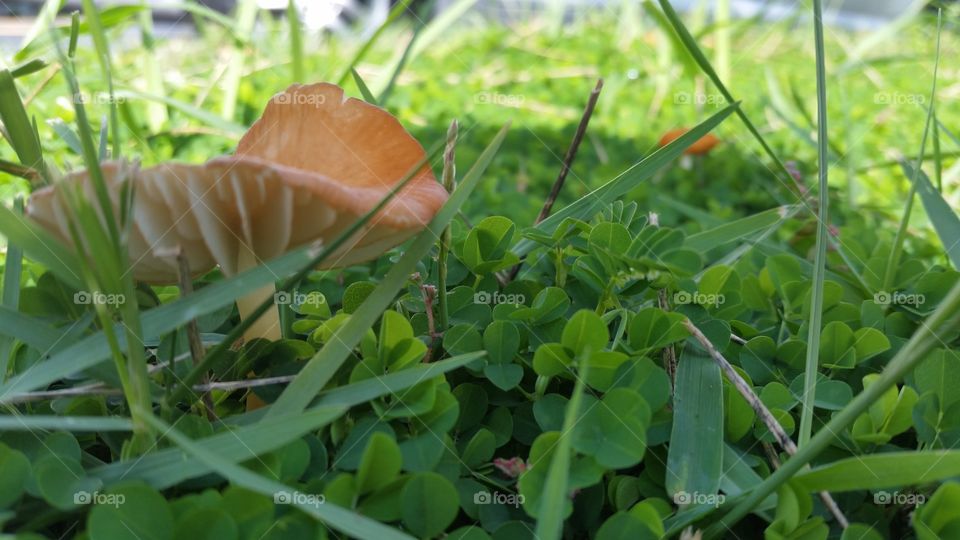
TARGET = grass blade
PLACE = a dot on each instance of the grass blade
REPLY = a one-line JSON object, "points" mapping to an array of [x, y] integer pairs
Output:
{"points": [[370, 389], [12, 267], [40, 246], [695, 458], [735, 230], [592, 202], [899, 469], [944, 219], [22, 422], [820, 259], [319, 369], [15, 325], [336, 517], [18, 126], [364, 90], [168, 467], [550, 514]]}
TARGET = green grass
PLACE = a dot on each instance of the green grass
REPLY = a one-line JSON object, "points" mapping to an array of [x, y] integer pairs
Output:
{"points": [[400, 406]]}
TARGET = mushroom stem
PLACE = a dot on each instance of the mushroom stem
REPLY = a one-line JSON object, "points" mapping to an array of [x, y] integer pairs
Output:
{"points": [[268, 325]]}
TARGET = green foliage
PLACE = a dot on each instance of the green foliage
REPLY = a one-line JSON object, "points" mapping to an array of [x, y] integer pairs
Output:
{"points": [[550, 405]]}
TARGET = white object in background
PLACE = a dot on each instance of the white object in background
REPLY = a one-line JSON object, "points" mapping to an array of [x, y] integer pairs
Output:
{"points": [[328, 14], [856, 14]]}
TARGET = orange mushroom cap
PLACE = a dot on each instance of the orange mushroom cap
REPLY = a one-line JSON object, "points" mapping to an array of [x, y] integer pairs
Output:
{"points": [[700, 147], [305, 171]]}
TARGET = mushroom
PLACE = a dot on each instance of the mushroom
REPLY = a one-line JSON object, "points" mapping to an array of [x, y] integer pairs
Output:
{"points": [[694, 154], [304, 172], [699, 148]]}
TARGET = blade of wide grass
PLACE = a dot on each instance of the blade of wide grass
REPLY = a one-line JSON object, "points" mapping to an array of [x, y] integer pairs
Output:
{"points": [[553, 503], [735, 230], [12, 267], [330, 514], [37, 422], [369, 389], [695, 457], [28, 68], [18, 326], [812, 365], [364, 90], [932, 333], [320, 369], [899, 469], [589, 204], [944, 219], [40, 246], [168, 467], [18, 127]]}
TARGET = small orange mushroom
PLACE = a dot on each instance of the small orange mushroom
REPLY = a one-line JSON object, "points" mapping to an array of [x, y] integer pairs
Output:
{"points": [[698, 148], [304, 172]]}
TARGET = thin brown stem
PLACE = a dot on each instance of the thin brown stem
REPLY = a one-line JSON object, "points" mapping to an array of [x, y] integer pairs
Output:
{"points": [[669, 354], [761, 410], [567, 163], [193, 331]]}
